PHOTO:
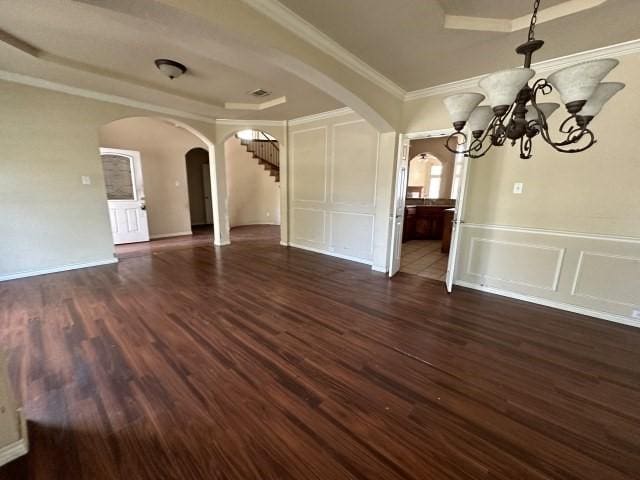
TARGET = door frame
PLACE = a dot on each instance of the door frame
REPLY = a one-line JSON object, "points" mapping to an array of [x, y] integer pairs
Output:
{"points": [[460, 204]]}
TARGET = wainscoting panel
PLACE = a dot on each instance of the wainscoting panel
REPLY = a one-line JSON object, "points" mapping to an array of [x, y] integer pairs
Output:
{"points": [[536, 266], [352, 234], [576, 271], [334, 164], [309, 165], [309, 225], [354, 155], [593, 266]]}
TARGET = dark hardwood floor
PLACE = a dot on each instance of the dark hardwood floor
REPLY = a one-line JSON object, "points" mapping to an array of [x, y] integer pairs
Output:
{"points": [[256, 361]]}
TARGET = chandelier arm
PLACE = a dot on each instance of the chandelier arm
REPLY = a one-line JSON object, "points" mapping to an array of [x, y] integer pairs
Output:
{"points": [[526, 147], [573, 132], [456, 136]]}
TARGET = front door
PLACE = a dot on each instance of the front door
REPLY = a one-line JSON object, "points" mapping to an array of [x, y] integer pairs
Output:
{"points": [[125, 195]]}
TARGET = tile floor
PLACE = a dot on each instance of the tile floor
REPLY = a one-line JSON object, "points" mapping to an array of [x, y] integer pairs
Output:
{"points": [[423, 257]]}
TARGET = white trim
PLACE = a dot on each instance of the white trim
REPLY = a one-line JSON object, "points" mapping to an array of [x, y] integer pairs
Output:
{"points": [[282, 15], [557, 233], [169, 235], [61, 268], [18, 448], [320, 116], [485, 24], [284, 244], [377, 268], [617, 50], [103, 97], [244, 123], [549, 303], [332, 254]]}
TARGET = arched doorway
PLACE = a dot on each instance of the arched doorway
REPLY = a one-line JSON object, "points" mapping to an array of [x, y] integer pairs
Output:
{"points": [[161, 181], [252, 166]]}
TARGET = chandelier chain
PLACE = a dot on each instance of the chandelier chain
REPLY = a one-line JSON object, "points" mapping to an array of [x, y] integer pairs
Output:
{"points": [[534, 19]]}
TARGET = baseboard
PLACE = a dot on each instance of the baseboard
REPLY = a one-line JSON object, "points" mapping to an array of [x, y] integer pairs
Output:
{"points": [[222, 244], [550, 303], [284, 244], [19, 447], [62, 268], [168, 235], [377, 268], [331, 254]]}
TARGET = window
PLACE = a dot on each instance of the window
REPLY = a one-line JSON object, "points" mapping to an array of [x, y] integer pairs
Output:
{"points": [[435, 179], [118, 177]]}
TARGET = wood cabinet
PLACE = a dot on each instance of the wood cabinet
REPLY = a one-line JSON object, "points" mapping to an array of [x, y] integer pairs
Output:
{"points": [[448, 215], [423, 222]]}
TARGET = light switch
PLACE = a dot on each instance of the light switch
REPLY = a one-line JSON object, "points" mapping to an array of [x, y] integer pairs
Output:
{"points": [[518, 187], [86, 180]]}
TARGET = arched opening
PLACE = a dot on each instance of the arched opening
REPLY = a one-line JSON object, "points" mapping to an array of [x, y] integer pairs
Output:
{"points": [[252, 165], [147, 181]]}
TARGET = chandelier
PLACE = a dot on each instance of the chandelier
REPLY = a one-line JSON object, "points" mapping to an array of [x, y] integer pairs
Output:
{"points": [[515, 113]]}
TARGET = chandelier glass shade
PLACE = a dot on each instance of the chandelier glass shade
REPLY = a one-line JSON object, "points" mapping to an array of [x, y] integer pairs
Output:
{"points": [[515, 113]]}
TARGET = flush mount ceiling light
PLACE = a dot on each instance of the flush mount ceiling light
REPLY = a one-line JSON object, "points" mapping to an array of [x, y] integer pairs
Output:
{"points": [[515, 112], [170, 68]]}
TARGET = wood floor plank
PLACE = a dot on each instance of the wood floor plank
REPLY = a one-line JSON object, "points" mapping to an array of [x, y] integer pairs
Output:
{"points": [[256, 361]]}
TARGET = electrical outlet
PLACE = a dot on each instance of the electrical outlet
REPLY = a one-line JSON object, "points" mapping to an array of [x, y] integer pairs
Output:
{"points": [[518, 187], [86, 180], [635, 314]]}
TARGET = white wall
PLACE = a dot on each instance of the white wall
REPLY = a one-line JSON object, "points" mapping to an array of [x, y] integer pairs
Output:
{"points": [[162, 148], [340, 183], [254, 195]]}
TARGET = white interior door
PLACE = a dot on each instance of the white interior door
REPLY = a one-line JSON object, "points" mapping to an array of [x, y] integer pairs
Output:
{"points": [[206, 185], [398, 206], [125, 195], [461, 170]]}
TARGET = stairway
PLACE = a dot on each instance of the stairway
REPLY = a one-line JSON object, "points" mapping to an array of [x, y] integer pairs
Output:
{"points": [[265, 150]]}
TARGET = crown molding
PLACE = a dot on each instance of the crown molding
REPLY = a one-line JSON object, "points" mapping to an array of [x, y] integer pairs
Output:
{"points": [[545, 66], [320, 116], [248, 123], [102, 97], [288, 19]]}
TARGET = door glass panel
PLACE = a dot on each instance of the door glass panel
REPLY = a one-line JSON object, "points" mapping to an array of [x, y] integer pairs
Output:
{"points": [[118, 177]]}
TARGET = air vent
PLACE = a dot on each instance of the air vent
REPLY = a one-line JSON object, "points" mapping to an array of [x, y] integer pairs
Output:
{"points": [[259, 93]]}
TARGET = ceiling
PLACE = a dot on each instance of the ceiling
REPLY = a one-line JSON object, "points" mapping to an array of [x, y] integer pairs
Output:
{"points": [[80, 44], [493, 8], [86, 47], [406, 40]]}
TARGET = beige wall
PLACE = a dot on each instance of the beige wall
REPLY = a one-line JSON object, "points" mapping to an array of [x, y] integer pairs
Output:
{"points": [[48, 218], [567, 200], [254, 195], [162, 148], [196, 158], [340, 182]]}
